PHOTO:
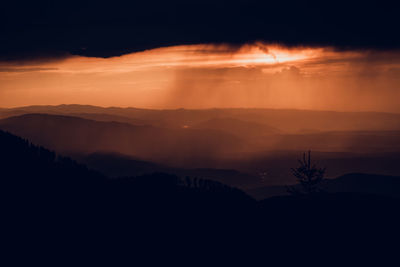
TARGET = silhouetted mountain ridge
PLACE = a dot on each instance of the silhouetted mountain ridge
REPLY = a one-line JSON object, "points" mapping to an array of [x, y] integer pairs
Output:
{"points": [[35, 171], [115, 165], [53, 205], [187, 148], [19, 157]]}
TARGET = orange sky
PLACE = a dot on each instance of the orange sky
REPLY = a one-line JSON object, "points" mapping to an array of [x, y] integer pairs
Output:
{"points": [[208, 76]]}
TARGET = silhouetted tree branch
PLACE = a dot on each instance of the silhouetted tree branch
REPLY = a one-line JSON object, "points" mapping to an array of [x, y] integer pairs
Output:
{"points": [[308, 175]]}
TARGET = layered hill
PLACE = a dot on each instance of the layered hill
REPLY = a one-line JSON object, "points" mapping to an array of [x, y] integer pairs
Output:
{"points": [[116, 165], [73, 134], [290, 121], [241, 128], [52, 205]]}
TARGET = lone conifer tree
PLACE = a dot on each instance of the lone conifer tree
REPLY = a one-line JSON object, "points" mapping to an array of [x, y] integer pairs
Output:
{"points": [[308, 175]]}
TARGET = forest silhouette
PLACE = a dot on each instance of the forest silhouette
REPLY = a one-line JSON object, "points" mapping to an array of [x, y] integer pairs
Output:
{"points": [[54, 205]]}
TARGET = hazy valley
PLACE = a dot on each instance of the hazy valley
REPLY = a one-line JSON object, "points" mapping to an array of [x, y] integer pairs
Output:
{"points": [[247, 148]]}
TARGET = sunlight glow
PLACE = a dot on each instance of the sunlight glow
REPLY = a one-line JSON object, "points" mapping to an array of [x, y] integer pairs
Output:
{"points": [[208, 76], [184, 57]]}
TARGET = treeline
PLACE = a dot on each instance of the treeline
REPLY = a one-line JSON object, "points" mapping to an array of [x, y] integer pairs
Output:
{"points": [[27, 170], [56, 209]]}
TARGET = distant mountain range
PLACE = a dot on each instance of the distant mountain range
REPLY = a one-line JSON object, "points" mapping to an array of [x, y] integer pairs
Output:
{"points": [[54, 200], [72, 134], [289, 121], [27, 163], [202, 145], [244, 129], [238, 147]]}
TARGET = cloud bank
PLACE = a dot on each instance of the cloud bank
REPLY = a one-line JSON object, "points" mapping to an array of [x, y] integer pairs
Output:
{"points": [[212, 76], [55, 29]]}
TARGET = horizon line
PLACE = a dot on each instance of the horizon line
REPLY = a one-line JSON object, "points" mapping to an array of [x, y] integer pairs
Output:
{"points": [[201, 109]]}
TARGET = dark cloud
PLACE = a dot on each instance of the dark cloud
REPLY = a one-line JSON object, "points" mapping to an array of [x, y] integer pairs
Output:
{"points": [[42, 29], [26, 69]]}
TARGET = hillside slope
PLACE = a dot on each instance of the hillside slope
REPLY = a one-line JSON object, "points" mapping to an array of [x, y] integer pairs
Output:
{"points": [[58, 209], [73, 134]]}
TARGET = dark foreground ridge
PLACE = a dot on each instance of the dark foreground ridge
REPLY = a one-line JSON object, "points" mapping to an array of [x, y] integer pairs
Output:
{"points": [[56, 210]]}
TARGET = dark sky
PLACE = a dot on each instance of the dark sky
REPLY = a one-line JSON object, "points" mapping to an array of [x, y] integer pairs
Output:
{"points": [[48, 29]]}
